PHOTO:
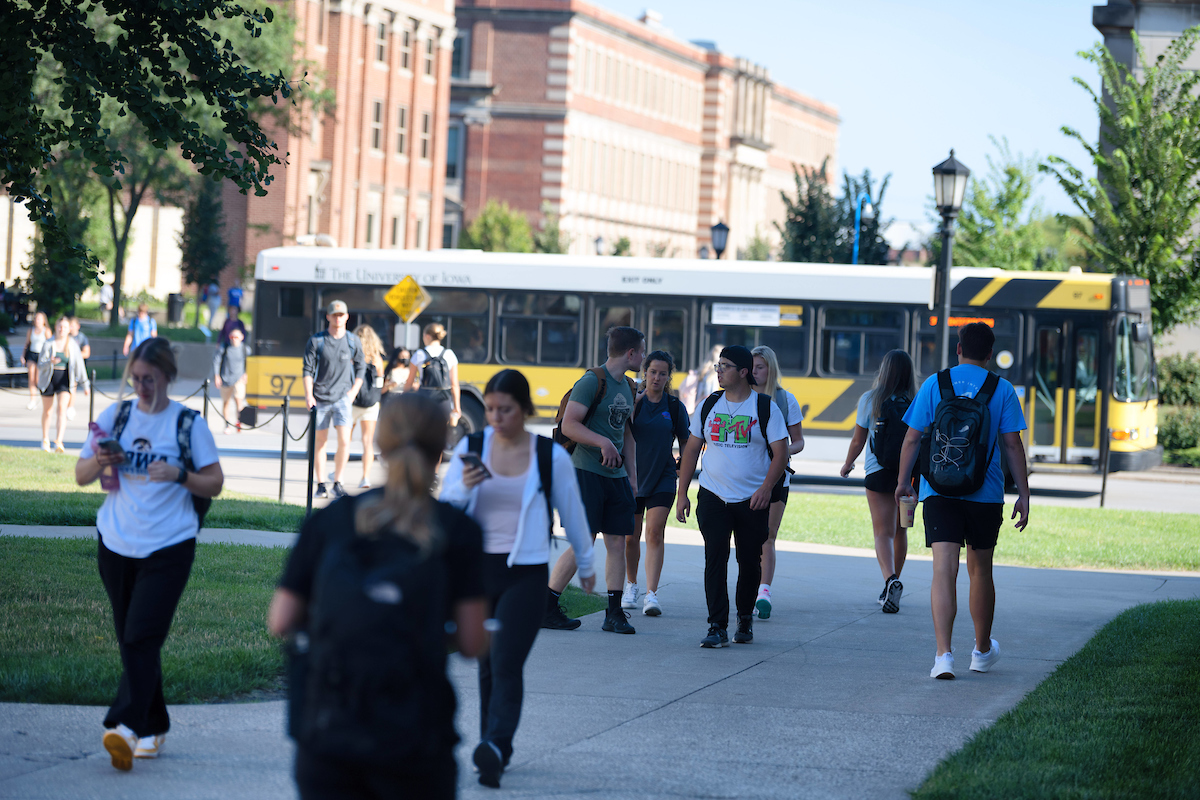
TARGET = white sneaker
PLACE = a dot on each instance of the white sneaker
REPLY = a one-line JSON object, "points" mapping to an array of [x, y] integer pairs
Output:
{"points": [[149, 746], [32, 404], [982, 662], [364, 484], [943, 667], [650, 606], [629, 596], [120, 743], [70, 413]]}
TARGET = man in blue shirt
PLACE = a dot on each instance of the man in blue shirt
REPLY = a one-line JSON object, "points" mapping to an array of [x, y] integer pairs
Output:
{"points": [[974, 519], [141, 328]]}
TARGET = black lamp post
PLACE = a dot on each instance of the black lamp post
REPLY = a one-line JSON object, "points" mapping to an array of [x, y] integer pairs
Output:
{"points": [[720, 237], [949, 187], [599, 243]]}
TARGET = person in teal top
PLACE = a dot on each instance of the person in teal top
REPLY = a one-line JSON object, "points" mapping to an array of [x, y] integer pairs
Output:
{"points": [[974, 519], [606, 468]]}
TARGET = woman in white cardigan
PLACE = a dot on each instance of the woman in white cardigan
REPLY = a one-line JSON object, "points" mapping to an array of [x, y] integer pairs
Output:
{"points": [[506, 498], [59, 370]]}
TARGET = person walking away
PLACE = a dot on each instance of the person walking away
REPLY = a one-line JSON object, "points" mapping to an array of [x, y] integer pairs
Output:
{"points": [[437, 367], [766, 377], [596, 419], [365, 416], [503, 491], [744, 440], [333, 374], [106, 300], [373, 714], [232, 320], [85, 350], [659, 421], [229, 371], [396, 372], [60, 369], [141, 328], [167, 465], [880, 427], [35, 338], [212, 296], [233, 301], [991, 416]]}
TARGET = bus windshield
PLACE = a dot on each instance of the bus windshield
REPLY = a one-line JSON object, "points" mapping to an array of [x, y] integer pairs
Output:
{"points": [[1133, 369]]}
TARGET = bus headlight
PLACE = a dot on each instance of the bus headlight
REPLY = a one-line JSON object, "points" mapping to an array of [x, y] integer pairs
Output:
{"points": [[1125, 434]]}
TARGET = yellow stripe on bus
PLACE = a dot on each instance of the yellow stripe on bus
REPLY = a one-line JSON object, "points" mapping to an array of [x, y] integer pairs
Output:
{"points": [[986, 293], [1089, 295]]}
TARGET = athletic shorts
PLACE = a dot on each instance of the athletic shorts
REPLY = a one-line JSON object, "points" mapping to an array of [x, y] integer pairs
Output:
{"points": [[237, 391], [882, 480], [368, 414], [657, 500], [59, 383], [336, 414], [608, 502], [779, 492], [948, 519]]}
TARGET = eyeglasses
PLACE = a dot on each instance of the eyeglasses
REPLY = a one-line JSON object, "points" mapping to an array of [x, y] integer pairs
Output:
{"points": [[721, 366]]}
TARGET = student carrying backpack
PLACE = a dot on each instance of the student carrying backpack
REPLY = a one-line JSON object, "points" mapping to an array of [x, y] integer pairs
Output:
{"points": [[955, 451], [889, 431], [561, 438]]}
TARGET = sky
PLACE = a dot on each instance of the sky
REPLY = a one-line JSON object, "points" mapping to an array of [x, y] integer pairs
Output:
{"points": [[913, 79]]}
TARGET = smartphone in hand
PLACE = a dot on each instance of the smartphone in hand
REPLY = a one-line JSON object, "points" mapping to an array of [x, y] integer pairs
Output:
{"points": [[472, 460], [111, 446]]}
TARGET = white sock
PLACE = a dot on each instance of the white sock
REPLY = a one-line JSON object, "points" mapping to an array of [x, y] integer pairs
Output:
{"points": [[764, 588]]}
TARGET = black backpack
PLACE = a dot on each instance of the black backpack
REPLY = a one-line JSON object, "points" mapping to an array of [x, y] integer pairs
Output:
{"points": [[954, 449], [368, 394], [183, 436], [764, 414], [601, 390], [374, 686], [435, 372], [545, 468], [890, 430]]}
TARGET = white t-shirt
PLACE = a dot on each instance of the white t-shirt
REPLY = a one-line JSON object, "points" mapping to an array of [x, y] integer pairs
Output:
{"points": [[864, 419], [735, 456], [142, 517], [435, 350], [793, 413]]}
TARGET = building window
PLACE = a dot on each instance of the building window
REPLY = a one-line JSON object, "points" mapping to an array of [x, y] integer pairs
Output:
{"points": [[402, 131], [447, 235], [430, 42], [420, 243], [426, 125], [406, 45], [381, 38], [460, 57], [370, 230], [453, 153], [377, 125], [322, 15]]}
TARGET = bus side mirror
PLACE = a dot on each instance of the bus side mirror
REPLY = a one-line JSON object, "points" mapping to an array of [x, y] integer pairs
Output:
{"points": [[1141, 332]]}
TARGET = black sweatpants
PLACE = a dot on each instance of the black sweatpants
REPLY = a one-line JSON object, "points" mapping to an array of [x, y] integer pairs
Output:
{"points": [[717, 519], [143, 593], [322, 778], [517, 601]]}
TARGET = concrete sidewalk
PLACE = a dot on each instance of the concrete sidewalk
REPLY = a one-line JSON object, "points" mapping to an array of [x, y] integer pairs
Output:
{"points": [[832, 699]]}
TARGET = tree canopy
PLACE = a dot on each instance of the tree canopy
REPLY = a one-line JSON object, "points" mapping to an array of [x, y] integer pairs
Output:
{"points": [[1144, 201], [819, 228], [168, 64], [498, 229]]}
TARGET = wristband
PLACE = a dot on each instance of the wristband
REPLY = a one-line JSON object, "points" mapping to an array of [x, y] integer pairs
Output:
{"points": [[182, 476]]}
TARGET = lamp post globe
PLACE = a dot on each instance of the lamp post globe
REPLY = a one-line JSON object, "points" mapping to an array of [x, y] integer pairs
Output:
{"points": [[949, 189], [599, 245], [704, 252], [720, 237]]}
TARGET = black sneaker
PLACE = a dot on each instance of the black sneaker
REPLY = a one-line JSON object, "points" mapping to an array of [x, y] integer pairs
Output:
{"points": [[745, 631], [320, 493], [338, 489], [617, 621], [556, 619], [716, 637], [891, 603], [487, 760]]}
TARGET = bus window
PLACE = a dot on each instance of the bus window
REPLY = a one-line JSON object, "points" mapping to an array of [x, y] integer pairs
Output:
{"points": [[283, 321], [540, 328], [292, 301], [1134, 365], [790, 343], [464, 313], [1049, 362], [1005, 325], [609, 317], [854, 341], [668, 328]]}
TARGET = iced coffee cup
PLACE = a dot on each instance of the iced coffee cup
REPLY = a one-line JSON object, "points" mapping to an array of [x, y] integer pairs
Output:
{"points": [[908, 511]]}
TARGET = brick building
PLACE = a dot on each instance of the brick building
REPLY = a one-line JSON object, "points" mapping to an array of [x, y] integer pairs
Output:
{"points": [[620, 128]]}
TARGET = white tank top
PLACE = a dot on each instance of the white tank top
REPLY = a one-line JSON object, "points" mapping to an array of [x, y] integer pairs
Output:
{"points": [[498, 506]]}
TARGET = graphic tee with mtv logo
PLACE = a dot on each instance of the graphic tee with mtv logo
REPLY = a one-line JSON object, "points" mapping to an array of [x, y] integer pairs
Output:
{"points": [[735, 455], [608, 421]]}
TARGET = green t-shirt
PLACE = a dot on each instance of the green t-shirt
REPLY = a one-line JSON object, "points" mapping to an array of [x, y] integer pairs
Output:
{"points": [[608, 421]]}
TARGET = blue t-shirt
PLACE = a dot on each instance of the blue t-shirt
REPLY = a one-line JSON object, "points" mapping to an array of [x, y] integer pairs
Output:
{"points": [[142, 329], [235, 297], [1004, 410]]}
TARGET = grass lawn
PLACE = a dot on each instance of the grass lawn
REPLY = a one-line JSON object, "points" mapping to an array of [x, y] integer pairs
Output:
{"points": [[1120, 718], [1056, 536], [1184, 458]]}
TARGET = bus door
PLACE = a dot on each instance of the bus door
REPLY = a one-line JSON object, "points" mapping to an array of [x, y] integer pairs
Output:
{"points": [[1065, 392]]}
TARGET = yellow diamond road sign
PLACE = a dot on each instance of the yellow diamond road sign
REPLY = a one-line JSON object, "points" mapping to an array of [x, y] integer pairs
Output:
{"points": [[407, 298]]}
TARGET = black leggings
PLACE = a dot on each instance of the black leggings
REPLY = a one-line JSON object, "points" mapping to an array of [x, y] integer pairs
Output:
{"points": [[143, 593], [717, 519], [322, 778], [517, 601]]}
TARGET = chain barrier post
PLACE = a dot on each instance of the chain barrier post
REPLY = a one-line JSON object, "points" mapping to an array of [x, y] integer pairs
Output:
{"points": [[283, 448], [205, 406], [312, 454], [114, 363], [92, 399]]}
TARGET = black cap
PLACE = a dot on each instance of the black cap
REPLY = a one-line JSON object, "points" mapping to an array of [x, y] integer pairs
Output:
{"points": [[742, 359]]}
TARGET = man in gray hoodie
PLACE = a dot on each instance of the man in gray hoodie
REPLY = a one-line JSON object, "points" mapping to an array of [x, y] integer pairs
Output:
{"points": [[229, 367]]}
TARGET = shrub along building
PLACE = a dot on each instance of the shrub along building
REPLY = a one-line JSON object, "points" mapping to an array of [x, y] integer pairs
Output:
{"points": [[620, 128]]}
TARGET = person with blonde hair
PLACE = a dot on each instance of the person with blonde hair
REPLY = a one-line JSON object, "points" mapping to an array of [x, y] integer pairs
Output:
{"points": [[766, 373], [374, 587], [59, 370], [438, 369], [366, 416], [165, 462], [35, 337]]}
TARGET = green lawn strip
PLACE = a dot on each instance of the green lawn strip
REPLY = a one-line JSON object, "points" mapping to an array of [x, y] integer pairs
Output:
{"points": [[1120, 718], [1184, 458], [1057, 536]]}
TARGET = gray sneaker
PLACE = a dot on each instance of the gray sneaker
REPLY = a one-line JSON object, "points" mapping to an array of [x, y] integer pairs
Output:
{"points": [[717, 637]]}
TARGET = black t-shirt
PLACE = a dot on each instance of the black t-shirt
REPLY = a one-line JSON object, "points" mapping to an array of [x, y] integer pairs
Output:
{"points": [[655, 432]]}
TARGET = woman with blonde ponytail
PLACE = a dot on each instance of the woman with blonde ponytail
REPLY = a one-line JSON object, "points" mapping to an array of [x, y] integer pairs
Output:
{"points": [[370, 592]]}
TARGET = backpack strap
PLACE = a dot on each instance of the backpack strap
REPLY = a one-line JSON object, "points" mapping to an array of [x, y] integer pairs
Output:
{"points": [[545, 466], [122, 418], [945, 385], [183, 437], [600, 384], [984, 395], [707, 407], [764, 416], [675, 407], [475, 443]]}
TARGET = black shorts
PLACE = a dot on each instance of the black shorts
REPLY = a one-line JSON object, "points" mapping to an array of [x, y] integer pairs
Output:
{"points": [[656, 500], [59, 382], [779, 492], [948, 519], [882, 480], [608, 502]]}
